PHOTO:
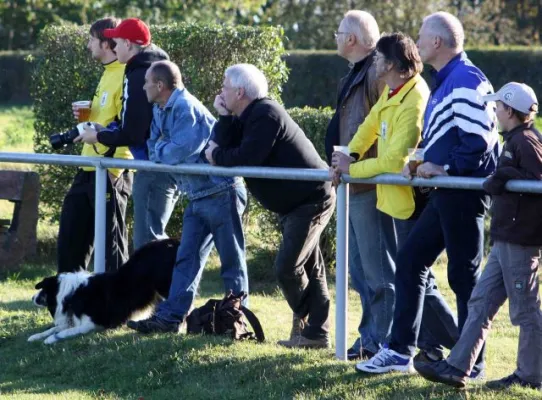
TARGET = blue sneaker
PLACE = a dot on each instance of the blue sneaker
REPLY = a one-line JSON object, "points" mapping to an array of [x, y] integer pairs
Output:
{"points": [[386, 360]]}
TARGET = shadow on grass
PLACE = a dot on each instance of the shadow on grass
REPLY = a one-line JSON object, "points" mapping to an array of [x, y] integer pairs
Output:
{"points": [[198, 367], [18, 306], [33, 271]]}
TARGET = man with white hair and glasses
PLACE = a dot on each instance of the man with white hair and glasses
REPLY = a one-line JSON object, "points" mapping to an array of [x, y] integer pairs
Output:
{"points": [[371, 265], [459, 138], [254, 130]]}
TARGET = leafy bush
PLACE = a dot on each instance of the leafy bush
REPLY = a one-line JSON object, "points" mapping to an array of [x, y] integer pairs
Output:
{"points": [[64, 73]]}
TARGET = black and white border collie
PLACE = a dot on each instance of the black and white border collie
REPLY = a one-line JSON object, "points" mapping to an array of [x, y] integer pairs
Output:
{"points": [[81, 302]]}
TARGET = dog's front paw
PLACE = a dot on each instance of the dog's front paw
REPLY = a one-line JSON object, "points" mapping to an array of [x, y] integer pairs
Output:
{"points": [[51, 339], [34, 337]]}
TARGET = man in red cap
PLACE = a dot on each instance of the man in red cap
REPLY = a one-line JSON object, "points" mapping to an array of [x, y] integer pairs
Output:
{"points": [[154, 193]]}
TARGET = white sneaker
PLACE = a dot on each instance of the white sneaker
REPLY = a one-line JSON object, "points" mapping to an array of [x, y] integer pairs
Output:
{"points": [[387, 360]]}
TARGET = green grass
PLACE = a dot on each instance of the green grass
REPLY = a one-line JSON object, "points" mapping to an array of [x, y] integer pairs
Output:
{"points": [[16, 128], [16, 135], [120, 364]]}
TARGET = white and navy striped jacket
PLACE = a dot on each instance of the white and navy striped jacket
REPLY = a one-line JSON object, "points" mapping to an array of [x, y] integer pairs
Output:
{"points": [[459, 129]]}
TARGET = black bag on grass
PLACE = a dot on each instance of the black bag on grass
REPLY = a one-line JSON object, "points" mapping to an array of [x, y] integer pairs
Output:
{"points": [[226, 316]]}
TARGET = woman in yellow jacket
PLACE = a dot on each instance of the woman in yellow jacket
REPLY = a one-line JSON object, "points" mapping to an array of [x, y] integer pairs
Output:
{"points": [[395, 122]]}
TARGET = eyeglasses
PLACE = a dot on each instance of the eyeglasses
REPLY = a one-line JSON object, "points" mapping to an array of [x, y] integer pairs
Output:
{"points": [[336, 34]]}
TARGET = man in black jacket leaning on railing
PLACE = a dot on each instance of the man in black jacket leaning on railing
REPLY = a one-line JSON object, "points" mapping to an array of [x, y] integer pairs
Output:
{"points": [[256, 131]]}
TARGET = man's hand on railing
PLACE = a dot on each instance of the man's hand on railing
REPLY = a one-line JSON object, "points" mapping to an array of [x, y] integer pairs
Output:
{"points": [[428, 170], [341, 162], [335, 176], [407, 172]]}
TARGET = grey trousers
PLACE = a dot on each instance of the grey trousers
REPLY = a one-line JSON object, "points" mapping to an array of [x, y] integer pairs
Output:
{"points": [[511, 272], [300, 268]]}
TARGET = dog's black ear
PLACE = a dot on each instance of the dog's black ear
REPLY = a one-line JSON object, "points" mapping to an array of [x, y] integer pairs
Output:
{"points": [[41, 285]]}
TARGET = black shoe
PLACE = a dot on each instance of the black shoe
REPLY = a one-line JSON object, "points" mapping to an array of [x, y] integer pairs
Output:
{"points": [[153, 325], [367, 354], [353, 354], [442, 372], [424, 357], [511, 380]]}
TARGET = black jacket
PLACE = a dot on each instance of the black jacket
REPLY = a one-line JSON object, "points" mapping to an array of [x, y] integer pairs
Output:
{"points": [[265, 135], [517, 217], [136, 115]]}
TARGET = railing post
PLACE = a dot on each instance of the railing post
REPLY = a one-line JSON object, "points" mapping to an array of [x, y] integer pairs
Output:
{"points": [[341, 282], [99, 219]]}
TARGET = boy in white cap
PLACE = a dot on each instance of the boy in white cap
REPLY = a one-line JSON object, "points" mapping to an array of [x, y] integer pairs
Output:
{"points": [[511, 271]]}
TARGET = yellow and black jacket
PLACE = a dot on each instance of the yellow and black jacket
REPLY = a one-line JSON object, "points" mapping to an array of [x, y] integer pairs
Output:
{"points": [[106, 108]]}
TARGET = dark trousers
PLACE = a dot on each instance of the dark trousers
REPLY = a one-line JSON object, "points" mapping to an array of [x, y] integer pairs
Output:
{"points": [[76, 231], [300, 265], [453, 220]]}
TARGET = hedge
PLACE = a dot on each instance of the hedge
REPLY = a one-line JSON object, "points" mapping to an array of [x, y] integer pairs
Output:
{"points": [[65, 73], [314, 76], [15, 77]]}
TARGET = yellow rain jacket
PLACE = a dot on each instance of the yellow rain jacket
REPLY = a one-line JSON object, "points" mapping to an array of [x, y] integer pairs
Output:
{"points": [[106, 107], [397, 124]]}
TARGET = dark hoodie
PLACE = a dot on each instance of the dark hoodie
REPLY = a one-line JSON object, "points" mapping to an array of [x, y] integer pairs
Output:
{"points": [[136, 114]]}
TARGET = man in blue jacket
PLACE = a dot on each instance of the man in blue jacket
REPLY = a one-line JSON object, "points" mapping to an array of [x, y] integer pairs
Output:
{"points": [[181, 127], [459, 138]]}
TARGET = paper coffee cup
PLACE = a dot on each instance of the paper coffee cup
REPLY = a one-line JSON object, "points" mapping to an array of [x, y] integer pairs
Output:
{"points": [[342, 149]]}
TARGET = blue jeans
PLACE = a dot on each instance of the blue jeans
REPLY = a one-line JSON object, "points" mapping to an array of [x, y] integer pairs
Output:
{"points": [[376, 253], [154, 195], [217, 218], [452, 220], [372, 269]]}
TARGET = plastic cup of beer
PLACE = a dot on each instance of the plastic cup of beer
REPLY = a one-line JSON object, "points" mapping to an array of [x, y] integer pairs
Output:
{"points": [[415, 159], [83, 107], [342, 149]]}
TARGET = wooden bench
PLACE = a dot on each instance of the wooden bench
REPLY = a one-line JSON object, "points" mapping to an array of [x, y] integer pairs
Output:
{"points": [[18, 238]]}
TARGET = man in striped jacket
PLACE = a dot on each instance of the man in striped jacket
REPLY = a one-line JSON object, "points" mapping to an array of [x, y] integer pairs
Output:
{"points": [[459, 139]]}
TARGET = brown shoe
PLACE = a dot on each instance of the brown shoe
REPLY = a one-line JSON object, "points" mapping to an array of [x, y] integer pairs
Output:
{"points": [[298, 324], [305, 343]]}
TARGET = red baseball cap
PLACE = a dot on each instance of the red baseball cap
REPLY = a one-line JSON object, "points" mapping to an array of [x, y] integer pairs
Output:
{"points": [[132, 29]]}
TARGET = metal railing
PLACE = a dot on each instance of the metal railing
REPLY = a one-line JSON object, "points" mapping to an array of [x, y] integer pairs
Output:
{"points": [[341, 284]]}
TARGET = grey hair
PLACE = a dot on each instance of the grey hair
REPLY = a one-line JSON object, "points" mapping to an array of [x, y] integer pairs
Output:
{"points": [[447, 27], [249, 78], [363, 26]]}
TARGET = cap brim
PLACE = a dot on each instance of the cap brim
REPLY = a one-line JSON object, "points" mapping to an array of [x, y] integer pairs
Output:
{"points": [[490, 97]]}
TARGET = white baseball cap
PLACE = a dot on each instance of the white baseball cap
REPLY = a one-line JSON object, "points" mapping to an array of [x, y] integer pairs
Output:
{"points": [[519, 96]]}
